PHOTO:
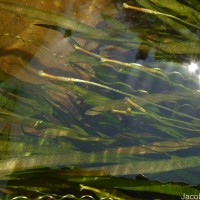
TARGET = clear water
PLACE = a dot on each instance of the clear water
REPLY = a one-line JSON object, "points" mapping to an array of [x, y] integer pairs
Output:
{"points": [[131, 109]]}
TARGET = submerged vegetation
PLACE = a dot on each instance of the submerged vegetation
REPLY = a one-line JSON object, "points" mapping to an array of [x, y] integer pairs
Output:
{"points": [[122, 100]]}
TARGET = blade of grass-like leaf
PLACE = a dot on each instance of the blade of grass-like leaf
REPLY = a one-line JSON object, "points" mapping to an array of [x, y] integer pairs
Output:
{"points": [[151, 99], [133, 43], [113, 23], [169, 123], [90, 97], [145, 188], [124, 105], [178, 27], [103, 186], [153, 12], [151, 166], [136, 185], [103, 193], [17, 106], [123, 64], [193, 3], [22, 105], [179, 8], [20, 149], [115, 40], [74, 80], [35, 13], [180, 124], [179, 47], [68, 159], [45, 128], [159, 147]]}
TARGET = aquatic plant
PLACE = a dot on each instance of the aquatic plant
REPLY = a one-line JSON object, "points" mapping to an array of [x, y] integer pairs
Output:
{"points": [[123, 108]]}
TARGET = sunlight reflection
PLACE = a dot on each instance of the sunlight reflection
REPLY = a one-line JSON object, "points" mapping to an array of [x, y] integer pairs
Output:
{"points": [[193, 67]]}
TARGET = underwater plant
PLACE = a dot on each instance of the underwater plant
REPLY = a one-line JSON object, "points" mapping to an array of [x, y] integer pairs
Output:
{"points": [[120, 99]]}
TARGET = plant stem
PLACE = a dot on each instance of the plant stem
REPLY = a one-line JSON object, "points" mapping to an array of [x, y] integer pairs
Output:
{"points": [[75, 80]]}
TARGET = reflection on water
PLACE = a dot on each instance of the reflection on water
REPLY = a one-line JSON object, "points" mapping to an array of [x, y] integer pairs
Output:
{"points": [[91, 91]]}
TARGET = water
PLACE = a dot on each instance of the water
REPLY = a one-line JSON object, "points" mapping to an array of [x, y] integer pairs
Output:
{"points": [[110, 104]]}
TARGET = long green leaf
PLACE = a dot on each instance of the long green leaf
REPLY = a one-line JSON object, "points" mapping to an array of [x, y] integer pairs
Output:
{"points": [[47, 16]]}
